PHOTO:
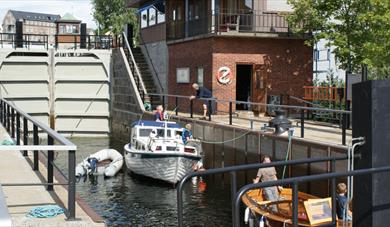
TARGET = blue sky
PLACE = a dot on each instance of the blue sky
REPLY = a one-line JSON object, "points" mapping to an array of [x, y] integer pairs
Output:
{"points": [[82, 9]]}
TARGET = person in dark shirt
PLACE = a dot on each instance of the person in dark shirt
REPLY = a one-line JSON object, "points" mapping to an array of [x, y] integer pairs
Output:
{"points": [[202, 92], [159, 114]]}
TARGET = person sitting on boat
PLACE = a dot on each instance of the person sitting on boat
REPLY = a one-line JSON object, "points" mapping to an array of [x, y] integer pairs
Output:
{"points": [[341, 202], [159, 114], [268, 174], [187, 134]]}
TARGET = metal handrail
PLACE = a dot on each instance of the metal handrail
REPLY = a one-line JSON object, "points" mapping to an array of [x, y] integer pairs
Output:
{"points": [[259, 104], [233, 170], [294, 181], [55, 135], [135, 65], [302, 109], [11, 117]]}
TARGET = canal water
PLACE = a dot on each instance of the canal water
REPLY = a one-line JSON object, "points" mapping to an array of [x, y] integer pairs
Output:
{"points": [[129, 200]]}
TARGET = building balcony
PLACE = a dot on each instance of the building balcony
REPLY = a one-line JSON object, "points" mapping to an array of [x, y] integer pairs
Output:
{"points": [[231, 23]]}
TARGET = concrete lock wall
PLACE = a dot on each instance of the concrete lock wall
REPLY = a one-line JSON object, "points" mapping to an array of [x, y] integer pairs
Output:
{"points": [[67, 89]]}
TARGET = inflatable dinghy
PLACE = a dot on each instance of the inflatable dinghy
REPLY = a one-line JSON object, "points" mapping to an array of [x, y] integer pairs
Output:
{"points": [[105, 162]]}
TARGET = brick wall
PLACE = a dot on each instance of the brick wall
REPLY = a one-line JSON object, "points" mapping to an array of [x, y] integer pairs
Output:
{"points": [[287, 64]]}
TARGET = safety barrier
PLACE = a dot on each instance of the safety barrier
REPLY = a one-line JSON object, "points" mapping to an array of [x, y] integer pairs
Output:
{"points": [[16, 121]]}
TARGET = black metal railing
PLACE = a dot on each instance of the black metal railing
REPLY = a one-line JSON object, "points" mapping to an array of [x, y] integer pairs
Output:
{"points": [[232, 22], [232, 170], [26, 41], [16, 122], [180, 101], [295, 182], [78, 41]]}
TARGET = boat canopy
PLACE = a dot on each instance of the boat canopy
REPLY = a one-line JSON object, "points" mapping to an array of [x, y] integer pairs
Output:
{"points": [[156, 124]]}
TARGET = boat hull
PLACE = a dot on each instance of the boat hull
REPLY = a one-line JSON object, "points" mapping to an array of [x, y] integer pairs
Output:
{"points": [[169, 167]]}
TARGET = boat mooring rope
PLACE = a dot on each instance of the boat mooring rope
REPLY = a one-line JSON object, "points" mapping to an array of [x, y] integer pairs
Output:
{"points": [[47, 211], [290, 135], [225, 141]]}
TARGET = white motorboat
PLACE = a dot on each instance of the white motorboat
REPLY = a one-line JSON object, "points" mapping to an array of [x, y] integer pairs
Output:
{"points": [[156, 150], [105, 162]]}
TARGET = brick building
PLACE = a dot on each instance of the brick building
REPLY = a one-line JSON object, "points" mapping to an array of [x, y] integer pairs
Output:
{"points": [[239, 49], [33, 23]]}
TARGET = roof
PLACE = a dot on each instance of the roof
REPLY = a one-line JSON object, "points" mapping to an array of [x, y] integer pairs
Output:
{"points": [[35, 16], [155, 124], [69, 18]]}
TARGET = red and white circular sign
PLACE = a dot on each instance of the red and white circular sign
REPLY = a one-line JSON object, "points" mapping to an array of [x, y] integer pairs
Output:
{"points": [[224, 75]]}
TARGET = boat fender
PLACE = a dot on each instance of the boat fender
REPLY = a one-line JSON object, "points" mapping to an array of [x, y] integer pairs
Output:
{"points": [[262, 221], [246, 215]]}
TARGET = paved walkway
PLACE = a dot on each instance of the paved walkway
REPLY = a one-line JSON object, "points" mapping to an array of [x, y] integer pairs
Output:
{"points": [[14, 168], [314, 131]]}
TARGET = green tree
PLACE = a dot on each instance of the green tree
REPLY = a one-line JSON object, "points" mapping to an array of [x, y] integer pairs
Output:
{"points": [[112, 15], [359, 29]]}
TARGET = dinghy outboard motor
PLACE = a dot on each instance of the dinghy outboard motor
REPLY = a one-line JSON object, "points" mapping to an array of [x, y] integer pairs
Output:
{"points": [[92, 165], [280, 122]]}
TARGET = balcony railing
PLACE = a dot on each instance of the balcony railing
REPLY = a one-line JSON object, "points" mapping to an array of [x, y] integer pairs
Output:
{"points": [[228, 22]]}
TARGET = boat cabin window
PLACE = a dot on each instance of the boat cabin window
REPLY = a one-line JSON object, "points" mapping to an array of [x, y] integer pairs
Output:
{"points": [[144, 132], [161, 132]]}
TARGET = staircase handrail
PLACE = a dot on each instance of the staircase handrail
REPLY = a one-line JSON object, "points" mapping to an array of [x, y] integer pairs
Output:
{"points": [[154, 69], [135, 64]]}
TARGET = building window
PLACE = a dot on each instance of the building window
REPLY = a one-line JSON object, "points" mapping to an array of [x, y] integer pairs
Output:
{"points": [[68, 29], [183, 75], [200, 76], [144, 19], [152, 16]]}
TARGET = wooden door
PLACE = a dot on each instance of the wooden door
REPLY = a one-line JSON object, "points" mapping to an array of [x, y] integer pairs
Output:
{"points": [[259, 88]]}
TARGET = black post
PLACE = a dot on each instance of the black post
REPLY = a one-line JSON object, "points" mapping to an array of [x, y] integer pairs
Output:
{"points": [[17, 128], [13, 123], [191, 108], [83, 35], [163, 101], [343, 127], [25, 134], [233, 184], [72, 185], [230, 113], [50, 159], [36, 142], [8, 119], [295, 205], [151, 101], [1, 110], [19, 34], [209, 109], [177, 105], [302, 123]]}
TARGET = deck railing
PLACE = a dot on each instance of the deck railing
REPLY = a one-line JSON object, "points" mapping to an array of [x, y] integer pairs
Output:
{"points": [[16, 122], [229, 22]]}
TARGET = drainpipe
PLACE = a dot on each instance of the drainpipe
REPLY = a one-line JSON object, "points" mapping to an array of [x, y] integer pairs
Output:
{"points": [[186, 18]]}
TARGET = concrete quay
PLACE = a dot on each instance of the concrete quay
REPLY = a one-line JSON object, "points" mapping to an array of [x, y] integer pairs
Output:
{"points": [[14, 168]]}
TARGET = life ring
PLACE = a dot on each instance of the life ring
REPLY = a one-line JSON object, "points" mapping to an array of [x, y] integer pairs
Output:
{"points": [[224, 75]]}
